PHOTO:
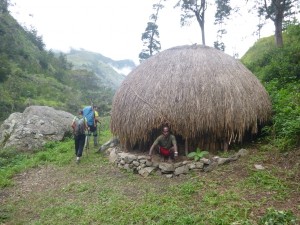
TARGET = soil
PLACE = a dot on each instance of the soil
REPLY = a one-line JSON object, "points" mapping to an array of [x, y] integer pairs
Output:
{"points": [[46, 178]]}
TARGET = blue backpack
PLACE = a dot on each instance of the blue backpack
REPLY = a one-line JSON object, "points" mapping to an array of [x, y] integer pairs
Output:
{"points": [[88, 113]]}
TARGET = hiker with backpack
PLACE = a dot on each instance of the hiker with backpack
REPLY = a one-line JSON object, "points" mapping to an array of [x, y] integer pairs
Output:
{"points": [[79, 126], [92, 118]]}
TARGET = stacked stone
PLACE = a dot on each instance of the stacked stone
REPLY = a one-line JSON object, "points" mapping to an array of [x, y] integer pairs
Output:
{"points": [[141, 165]]}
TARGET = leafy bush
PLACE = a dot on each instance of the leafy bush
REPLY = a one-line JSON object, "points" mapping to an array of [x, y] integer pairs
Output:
{"points": [[279, 69], [198, 154], [284, 132]]}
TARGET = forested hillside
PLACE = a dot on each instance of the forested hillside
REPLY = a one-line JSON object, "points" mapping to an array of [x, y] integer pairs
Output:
{"points": [[30, 75], [104, 67], [279, 70]]}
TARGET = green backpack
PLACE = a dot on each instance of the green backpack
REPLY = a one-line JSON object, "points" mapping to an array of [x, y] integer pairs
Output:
{"points": [[79, 126]]}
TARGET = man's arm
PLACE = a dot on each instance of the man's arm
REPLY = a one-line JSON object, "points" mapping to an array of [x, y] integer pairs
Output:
{"points": [[175, 150], [174, 142], [151, 149], [155, 143], [73, 124]]}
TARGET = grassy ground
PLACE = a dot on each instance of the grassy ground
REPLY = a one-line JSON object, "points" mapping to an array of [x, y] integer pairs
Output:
{"points": [[48, 187]]}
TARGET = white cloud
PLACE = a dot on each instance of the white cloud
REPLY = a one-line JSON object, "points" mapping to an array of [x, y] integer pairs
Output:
{"points": [[114, 28]]}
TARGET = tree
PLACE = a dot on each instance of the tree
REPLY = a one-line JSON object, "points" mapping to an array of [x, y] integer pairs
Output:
{"points": [[193, 8], [277, 11], [150, 36], [36, 40], [223, 12], [4, 6]]}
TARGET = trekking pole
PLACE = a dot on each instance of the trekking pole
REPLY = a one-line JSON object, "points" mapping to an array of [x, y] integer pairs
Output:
{"points": [[86, 144], [99, 128]]}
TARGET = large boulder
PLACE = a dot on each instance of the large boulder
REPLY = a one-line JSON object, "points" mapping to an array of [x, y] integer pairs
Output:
{"points": [[34, 127]]}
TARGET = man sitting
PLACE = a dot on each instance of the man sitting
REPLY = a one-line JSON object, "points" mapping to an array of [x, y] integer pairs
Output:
{"points": [[167, 145]]}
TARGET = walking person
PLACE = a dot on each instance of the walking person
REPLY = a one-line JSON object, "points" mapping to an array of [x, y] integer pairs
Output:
{"points": [[79, 126]]}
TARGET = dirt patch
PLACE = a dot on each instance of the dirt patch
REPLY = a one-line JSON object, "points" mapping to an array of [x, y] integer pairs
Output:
{"points": [[99, 177]]}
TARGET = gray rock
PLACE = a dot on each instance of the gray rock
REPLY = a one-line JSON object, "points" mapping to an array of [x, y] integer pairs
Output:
{"points": [[205, 161], [109, 144], [181, 170], [136, 163], [199, 165], [259, 167], [34, 127], [222, 161], [192, 166], [211, 167], [146, 171], [149, 163], [242, 152], [113, 156], [166, 167]]}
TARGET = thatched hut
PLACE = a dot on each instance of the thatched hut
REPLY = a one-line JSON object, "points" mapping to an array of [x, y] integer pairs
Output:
{"points": [[208, 98]]}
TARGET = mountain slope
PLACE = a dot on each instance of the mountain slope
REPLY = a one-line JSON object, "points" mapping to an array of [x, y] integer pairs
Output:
{"points": [[108, 70], [31, 75], [279, 70]]}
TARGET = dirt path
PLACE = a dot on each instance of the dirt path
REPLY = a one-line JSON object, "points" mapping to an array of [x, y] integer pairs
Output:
{"points": [[98, 176]]}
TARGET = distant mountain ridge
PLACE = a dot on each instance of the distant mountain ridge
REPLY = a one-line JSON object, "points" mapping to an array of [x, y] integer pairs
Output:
{"points": [[32, 75], [110, 72]]}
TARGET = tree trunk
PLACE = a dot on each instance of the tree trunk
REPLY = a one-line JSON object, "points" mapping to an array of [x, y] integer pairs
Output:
{"points": [[278, 32], [201, 24]]}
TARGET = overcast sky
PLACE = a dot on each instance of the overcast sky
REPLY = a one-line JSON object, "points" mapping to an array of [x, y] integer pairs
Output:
{"points": [[114, 28]]}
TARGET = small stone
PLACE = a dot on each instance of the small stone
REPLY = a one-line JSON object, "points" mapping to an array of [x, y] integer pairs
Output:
{"points": [[259, 167]]}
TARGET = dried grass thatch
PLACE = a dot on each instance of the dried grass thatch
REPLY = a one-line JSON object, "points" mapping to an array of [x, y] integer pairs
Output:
{"points": [[206, 96]]}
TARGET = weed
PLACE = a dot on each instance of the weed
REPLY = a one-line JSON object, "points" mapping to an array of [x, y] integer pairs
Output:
{"points": [[275, 217], [198, 154]]}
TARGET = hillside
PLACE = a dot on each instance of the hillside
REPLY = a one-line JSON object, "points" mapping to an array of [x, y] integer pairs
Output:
{"points": [[109, 71], [279, 71], [31, 75]]}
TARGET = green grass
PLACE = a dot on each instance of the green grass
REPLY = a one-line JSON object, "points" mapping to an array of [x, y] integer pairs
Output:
{"points": [[55, 190]]}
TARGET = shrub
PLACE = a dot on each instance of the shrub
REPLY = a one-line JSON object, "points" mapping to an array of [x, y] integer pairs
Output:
{"points": [[198, 154]]}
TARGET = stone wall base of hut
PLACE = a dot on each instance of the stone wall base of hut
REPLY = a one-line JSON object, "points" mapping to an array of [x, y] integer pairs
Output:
{"points": [[140, 164]]}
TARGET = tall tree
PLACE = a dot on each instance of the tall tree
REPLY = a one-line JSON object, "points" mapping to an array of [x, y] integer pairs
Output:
{"points": [[223, 12], [151, 35], [4, 6], [193, 8], [277, 11]]}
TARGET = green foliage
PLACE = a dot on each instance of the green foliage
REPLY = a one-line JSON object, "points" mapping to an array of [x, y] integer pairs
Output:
{"points": [[279, 70], [223, 12], [190, 10], [5, 68], [276, 217], [150, 36], [284, 132], [30, 75], [198, 154], [4, 6], [93, 191], [90, 61]]}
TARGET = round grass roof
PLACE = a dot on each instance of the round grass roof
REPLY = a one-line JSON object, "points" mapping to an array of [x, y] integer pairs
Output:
{"points": [[198, 90]]}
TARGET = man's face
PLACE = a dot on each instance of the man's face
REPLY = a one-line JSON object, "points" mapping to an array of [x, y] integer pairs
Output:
{"points": [[166, 131]]}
